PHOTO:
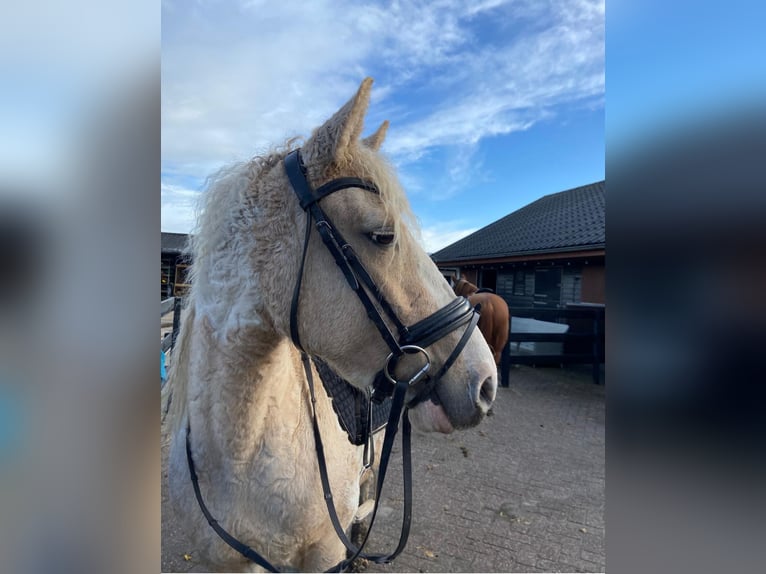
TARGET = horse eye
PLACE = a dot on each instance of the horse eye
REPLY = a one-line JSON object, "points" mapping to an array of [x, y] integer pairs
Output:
{"points": [[382, 237]]}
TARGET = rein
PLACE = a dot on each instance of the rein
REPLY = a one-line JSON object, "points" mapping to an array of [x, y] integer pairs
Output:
{"points": [[408, 340]]}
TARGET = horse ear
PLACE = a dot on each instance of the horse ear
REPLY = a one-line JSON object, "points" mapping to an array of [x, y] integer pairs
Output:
{"points": [[331, 141], [376, 140]]}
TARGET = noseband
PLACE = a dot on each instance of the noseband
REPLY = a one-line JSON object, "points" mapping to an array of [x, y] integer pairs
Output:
{"points": [[412, 339]]}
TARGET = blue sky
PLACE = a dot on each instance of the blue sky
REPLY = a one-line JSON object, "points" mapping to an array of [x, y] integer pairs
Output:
{"points": [[492, 104], [677, 65]]}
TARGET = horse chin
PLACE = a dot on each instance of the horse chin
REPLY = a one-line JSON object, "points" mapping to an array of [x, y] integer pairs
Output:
{"points": [[430, 416]]}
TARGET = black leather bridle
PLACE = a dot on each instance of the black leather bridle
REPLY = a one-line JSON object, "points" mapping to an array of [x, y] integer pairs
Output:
{"points": [[408, 340], [411, 339]]}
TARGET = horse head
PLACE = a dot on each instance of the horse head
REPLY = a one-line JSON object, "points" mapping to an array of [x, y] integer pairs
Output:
{"points": [[465, 288], [376, 226]]}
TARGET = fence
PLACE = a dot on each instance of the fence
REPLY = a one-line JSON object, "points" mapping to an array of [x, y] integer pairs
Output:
{"points": [[583, 342], [169, 340]]}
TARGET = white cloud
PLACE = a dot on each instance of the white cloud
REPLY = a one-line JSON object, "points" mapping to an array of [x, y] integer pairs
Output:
{"points": [[238, 78], [499, 90], [178, 208], [463, 124], [437, 236], [462, 165]]}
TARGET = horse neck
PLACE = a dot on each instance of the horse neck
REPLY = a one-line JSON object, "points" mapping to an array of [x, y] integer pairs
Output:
{"points": [[245, 383]]}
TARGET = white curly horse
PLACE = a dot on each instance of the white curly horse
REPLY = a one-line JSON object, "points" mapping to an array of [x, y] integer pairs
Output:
{"points": [[237, 379]]}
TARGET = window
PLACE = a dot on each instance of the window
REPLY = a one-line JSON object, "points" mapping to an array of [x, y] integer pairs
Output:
{"points": [[519, 282]]}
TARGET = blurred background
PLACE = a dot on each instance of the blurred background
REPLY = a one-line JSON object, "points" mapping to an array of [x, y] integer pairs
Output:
{"points": [[686, 280], [79, 222]]}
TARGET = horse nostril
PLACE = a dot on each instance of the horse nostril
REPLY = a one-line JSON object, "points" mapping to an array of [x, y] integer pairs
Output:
{"points": [[487, 393]]}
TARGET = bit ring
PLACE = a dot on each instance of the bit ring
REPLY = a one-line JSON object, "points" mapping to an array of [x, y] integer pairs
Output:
{"points": [[409, 350]]}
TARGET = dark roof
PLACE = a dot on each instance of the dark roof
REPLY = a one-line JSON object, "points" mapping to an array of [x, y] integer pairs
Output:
{"points": [[173, 242], [570, 220]]}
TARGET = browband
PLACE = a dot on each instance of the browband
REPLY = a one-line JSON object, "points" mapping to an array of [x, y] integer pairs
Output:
{"points": [[306, 195]]}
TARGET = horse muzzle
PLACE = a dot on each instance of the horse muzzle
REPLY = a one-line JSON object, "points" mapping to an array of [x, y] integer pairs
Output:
{"points": [[436, 405]]}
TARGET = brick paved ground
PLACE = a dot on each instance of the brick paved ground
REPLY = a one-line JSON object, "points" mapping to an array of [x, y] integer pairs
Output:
{"points": [[523, 492]]}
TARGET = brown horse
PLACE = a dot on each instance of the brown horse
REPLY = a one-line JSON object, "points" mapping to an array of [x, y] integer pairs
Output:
{"points": [[494, 320]]}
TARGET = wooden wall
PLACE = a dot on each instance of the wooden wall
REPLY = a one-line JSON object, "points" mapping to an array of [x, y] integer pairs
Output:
{"points": [[470, 275], [580, 283], [593, 284]]}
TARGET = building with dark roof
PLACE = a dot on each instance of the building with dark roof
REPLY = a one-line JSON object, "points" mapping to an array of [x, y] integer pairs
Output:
{"points": [[550, 253], [174, 264]]}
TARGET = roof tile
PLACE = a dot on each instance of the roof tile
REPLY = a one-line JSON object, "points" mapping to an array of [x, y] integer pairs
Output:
{"points": [[564, 220], [173, 242]]}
